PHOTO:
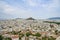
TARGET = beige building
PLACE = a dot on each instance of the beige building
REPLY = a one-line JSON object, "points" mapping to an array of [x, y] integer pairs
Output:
{"points": [[58, 38], [15, 37]]}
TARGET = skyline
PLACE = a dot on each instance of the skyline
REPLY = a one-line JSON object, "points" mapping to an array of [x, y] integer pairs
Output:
{"points": [[39, 9]]}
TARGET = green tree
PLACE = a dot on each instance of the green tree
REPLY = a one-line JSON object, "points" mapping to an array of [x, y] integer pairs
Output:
{"points": [[20, 36], [7, 38], [27, 35], [44, 38], [38, 34], [56, 32], [1, 37], [13, 32], [51, 38]]}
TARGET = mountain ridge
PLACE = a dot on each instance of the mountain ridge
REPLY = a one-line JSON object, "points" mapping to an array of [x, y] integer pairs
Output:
{"points": [[54, 18]]}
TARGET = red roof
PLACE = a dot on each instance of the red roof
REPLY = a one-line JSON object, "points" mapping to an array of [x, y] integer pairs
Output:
{"points": [[15, 36]]}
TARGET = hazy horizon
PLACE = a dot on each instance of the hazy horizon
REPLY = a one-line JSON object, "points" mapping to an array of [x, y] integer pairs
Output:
{"points": [[39, 9]]}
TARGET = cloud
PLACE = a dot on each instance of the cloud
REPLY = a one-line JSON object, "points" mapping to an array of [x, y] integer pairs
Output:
{"points": [[8, 9], [14, 11], [31, 3], [33, 8]]}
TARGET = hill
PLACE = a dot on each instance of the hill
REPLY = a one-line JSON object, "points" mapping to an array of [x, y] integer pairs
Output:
{"points": [[54, 18]]}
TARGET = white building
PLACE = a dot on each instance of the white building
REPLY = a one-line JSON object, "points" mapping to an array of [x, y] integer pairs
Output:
{"points": [[15, 37], [58, 38]]}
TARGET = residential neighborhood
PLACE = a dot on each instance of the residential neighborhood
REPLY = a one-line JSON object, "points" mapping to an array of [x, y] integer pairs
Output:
{"points": [[23, 29], [29, 19]]}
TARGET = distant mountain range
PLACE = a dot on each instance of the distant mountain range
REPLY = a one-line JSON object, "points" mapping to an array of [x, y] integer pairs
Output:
{"points": [[30, 18], [54, 18]]}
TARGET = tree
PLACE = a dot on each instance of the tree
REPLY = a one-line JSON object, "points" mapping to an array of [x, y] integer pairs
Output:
{"points": [[13, 32], [7, 38], [20, 36], [27, 35], [51, 38], [38, 34], [1, 37], [56, 32], [44, 38]]}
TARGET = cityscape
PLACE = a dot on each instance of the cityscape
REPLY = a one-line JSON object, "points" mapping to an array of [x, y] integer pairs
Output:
{"points": [[29, 29], [29, 19]]}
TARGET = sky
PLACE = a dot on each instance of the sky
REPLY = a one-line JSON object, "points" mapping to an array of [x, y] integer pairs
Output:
{"points": [[39, 9]]}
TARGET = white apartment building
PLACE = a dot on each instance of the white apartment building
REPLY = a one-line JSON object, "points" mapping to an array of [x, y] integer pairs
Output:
{"points": [[15, 37]]}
